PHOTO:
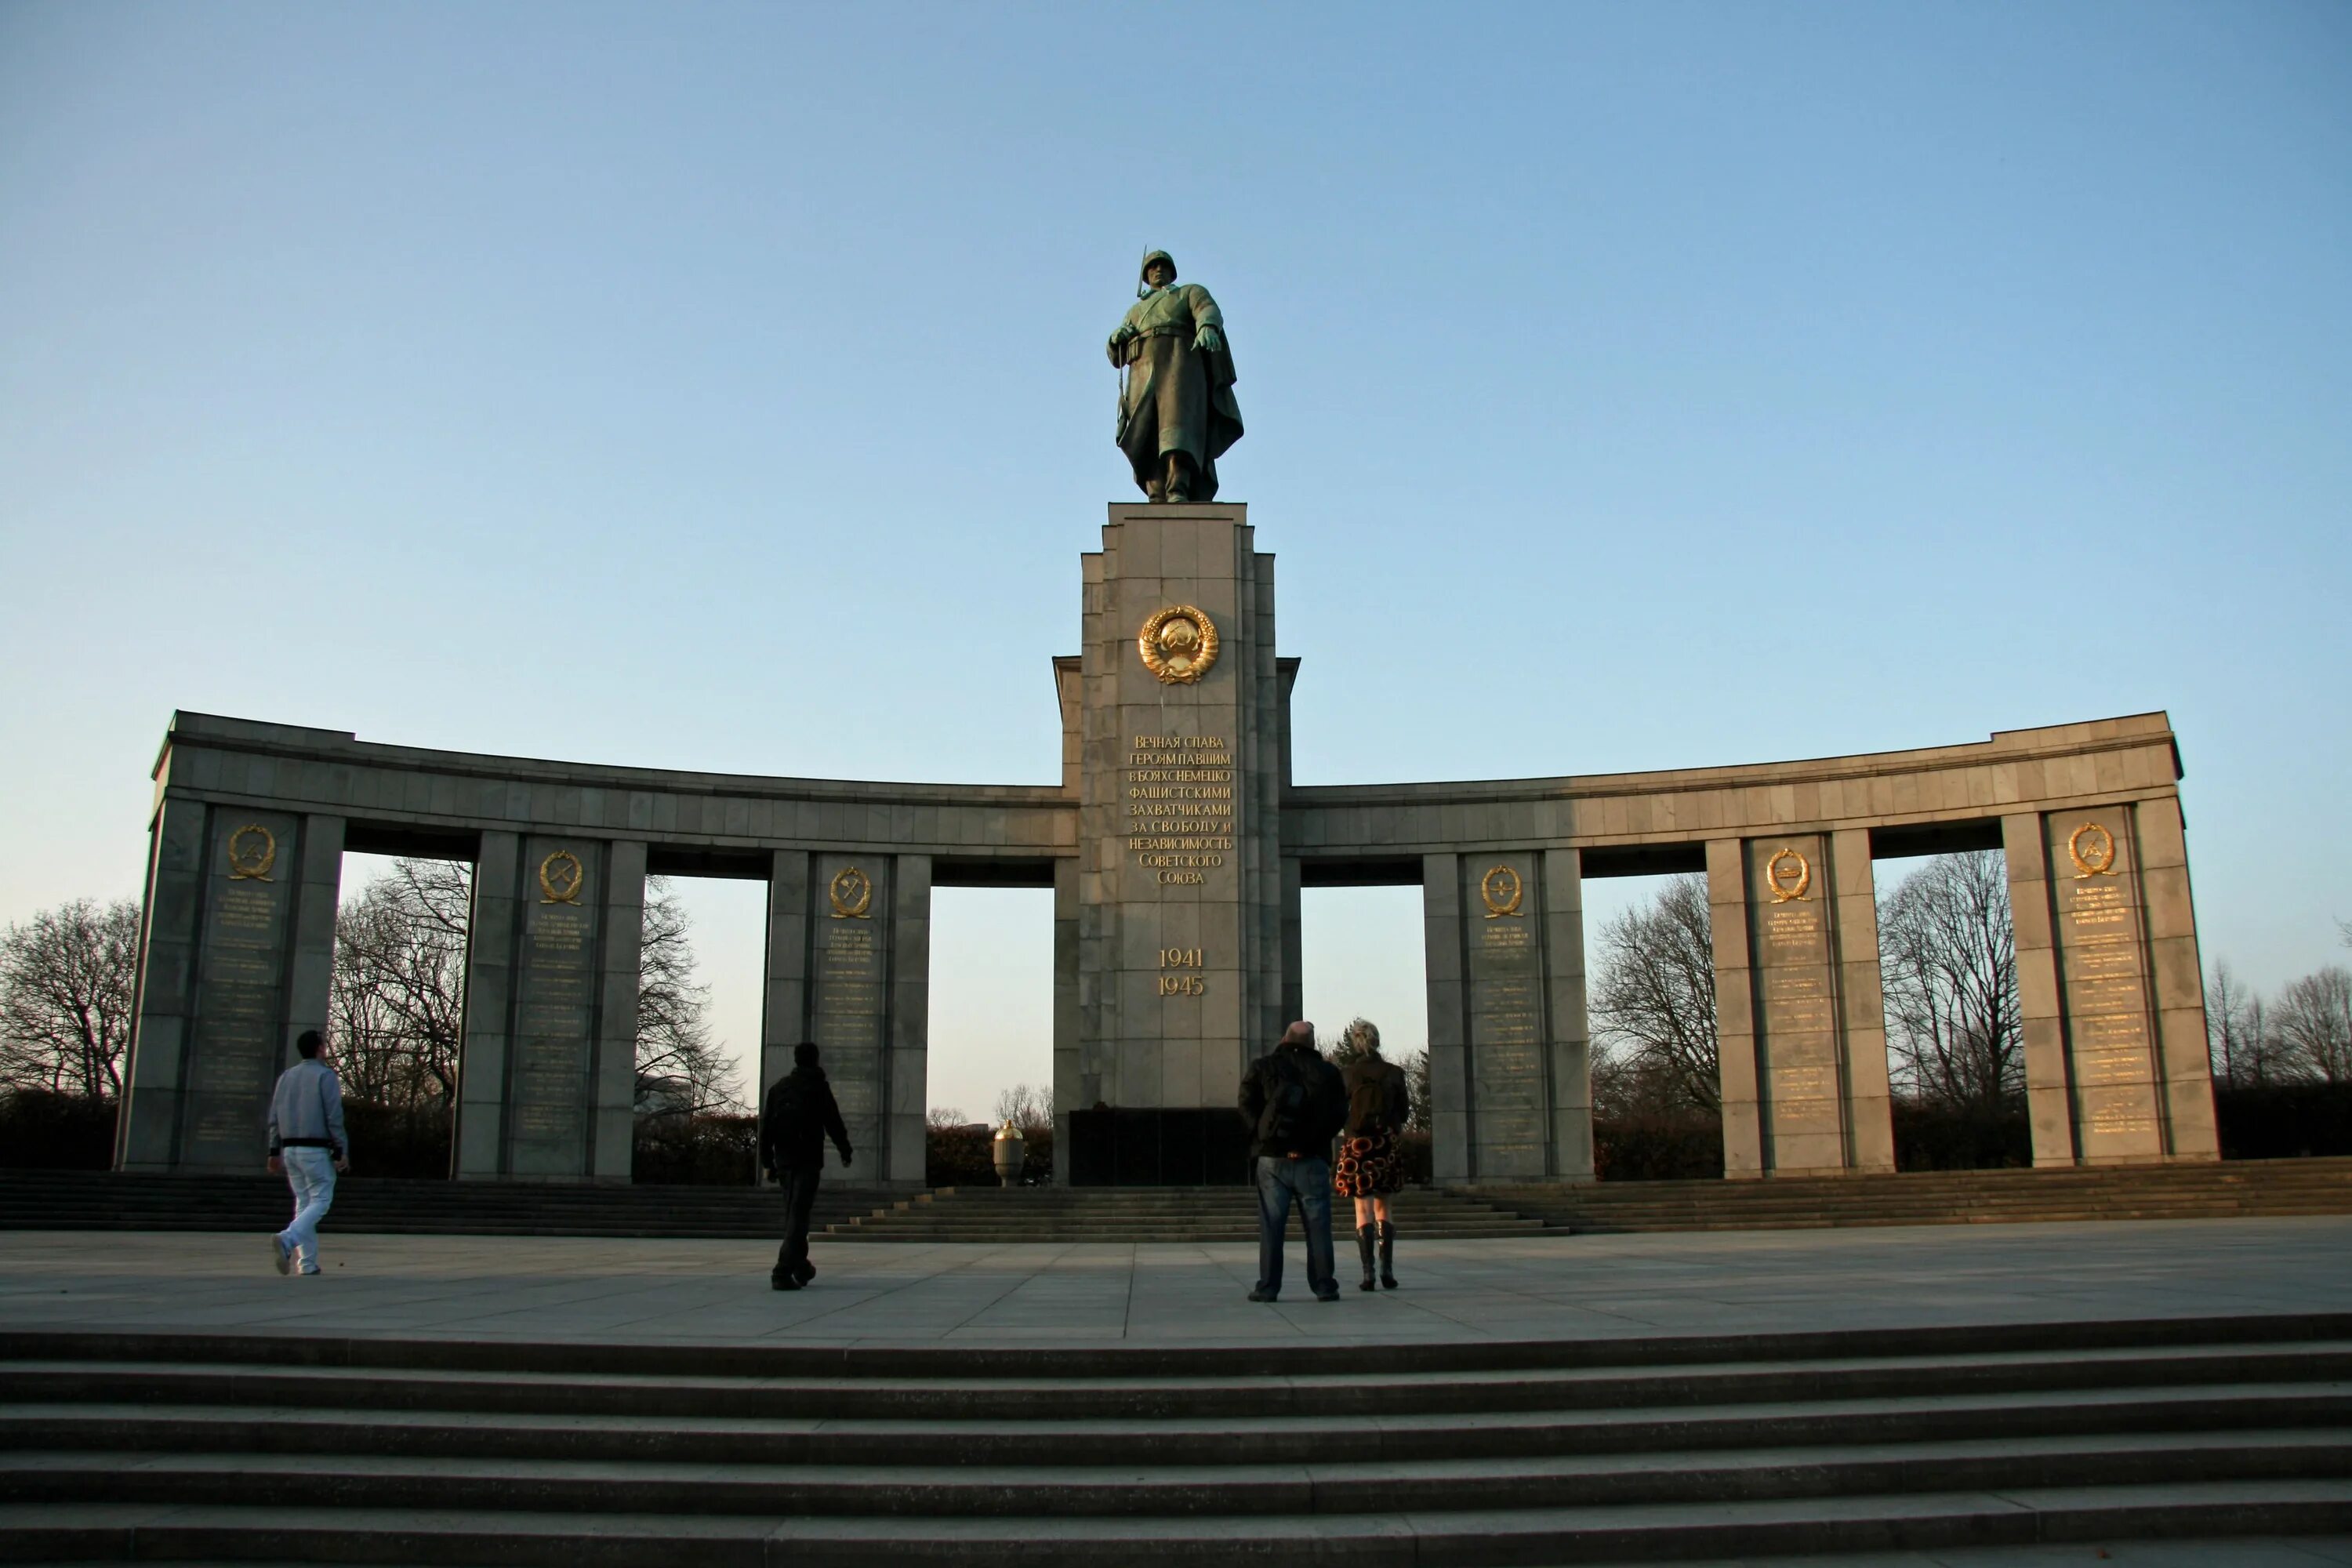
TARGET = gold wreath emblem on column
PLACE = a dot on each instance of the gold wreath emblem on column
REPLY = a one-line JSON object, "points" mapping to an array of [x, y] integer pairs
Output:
{"points": [[2099, 859], [1500, 890], [561, 877], [249, 861], [1178, 644], [852, 892], [1786, 890]]}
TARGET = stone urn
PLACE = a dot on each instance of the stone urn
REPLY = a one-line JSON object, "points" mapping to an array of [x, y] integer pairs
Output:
{"points": [[1009, 1147]]}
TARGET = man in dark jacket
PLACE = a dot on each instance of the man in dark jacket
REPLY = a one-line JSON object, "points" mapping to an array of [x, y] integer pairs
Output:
{"points": [[1294, 1103], [794, 1125]]}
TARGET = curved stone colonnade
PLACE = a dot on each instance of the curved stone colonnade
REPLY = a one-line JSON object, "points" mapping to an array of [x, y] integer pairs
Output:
{"points": [[1174, 958], [235, 954], [2088, 816]]}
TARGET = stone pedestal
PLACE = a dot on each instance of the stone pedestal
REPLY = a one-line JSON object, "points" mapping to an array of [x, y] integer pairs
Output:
{"points": [[1510, 1067], [1799, 1021], [547, 1072], [1179, 895], [2108, 977], [238, 947]]}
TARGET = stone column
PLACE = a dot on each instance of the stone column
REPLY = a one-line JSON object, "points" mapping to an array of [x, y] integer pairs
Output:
{"points": [[1735, 1009], [613, 1133], [2180, 977], [552, 1032], [492, 928], [1797, 1002], [238, 943], [1800, 1023], [867, 993], [1294, 945], [851, 901], [1074, 1088], [1449, 1115], [2049, 1095], [547, 1080], [1181, 881], [2124, 1014], [783, 1013], [1510, 1077], [1870, 1107], [1509, 1064], [901, 1156], [315, 903], [1571, 1044], [154, 1072]]}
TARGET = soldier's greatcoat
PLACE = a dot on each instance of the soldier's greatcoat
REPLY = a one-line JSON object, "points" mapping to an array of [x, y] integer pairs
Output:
{"points": [[1176, 398]]}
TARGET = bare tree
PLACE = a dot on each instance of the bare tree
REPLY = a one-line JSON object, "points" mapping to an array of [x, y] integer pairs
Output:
{"points": [[2244, 1047], [946, 1118], [1654, 1002], [1416, 1078], [2314, 1023], [397, 1001], [675, 1049], [1028, 1108], [68, 983], [1947, 958]]}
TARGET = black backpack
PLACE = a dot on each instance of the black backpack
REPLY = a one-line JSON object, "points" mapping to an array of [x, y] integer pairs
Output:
{"points": [[787, 1107], [1285, 1116]]}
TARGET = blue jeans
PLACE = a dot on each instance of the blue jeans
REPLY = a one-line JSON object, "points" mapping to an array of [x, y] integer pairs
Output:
{"points": [[1308, 1183], [311, 1174]]}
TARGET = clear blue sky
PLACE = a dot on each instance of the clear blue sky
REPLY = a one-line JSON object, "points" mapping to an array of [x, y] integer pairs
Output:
{"points": [[720, 387]]}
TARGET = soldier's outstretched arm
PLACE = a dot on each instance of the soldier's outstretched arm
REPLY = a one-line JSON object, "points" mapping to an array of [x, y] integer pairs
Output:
{"points": [[1210, 321]]}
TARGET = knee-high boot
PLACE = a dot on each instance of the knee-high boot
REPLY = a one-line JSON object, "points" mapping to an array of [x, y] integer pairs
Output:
{"points": [[1388, 1255], [1364, 1250]]}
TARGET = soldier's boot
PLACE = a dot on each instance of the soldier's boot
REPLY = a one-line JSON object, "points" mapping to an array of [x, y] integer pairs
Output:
{"points": [[1178, 486]]}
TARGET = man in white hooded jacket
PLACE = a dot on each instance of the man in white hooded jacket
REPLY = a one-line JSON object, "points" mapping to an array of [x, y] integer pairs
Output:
{"points": [[306, 1142]]}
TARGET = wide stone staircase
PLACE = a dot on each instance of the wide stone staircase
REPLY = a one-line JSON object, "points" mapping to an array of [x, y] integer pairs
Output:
{"points": [[1152, 1213], [2225, 1189], [285, 1448], [98, 1200], [103, 1200]]}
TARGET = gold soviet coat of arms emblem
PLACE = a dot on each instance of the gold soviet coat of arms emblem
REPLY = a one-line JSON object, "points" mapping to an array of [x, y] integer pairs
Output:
{"points": [[1179, 644]]}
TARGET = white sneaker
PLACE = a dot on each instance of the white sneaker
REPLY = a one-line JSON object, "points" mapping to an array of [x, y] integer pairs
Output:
{"points": [[281, 1254]]}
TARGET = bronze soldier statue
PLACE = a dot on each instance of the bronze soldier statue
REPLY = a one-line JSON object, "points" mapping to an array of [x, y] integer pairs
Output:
{"points": [[1176, 408]]}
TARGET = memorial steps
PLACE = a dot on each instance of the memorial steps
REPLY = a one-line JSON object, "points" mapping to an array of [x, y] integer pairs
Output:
{"points": [[2224, 1190], [101, 1200], [97, 1200], [999, 1214], [252, 1448]]}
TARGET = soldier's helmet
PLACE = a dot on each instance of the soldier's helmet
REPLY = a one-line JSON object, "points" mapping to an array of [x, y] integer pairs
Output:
{"points": [[1143, 273]]}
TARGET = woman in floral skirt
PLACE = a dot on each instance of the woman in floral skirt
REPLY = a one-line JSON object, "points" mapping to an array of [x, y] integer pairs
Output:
{"points": [[1368, 1170]]}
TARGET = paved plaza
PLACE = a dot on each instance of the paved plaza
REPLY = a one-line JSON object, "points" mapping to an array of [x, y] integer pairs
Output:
{"points": [[2302, 1552], [1537, 1288]]}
